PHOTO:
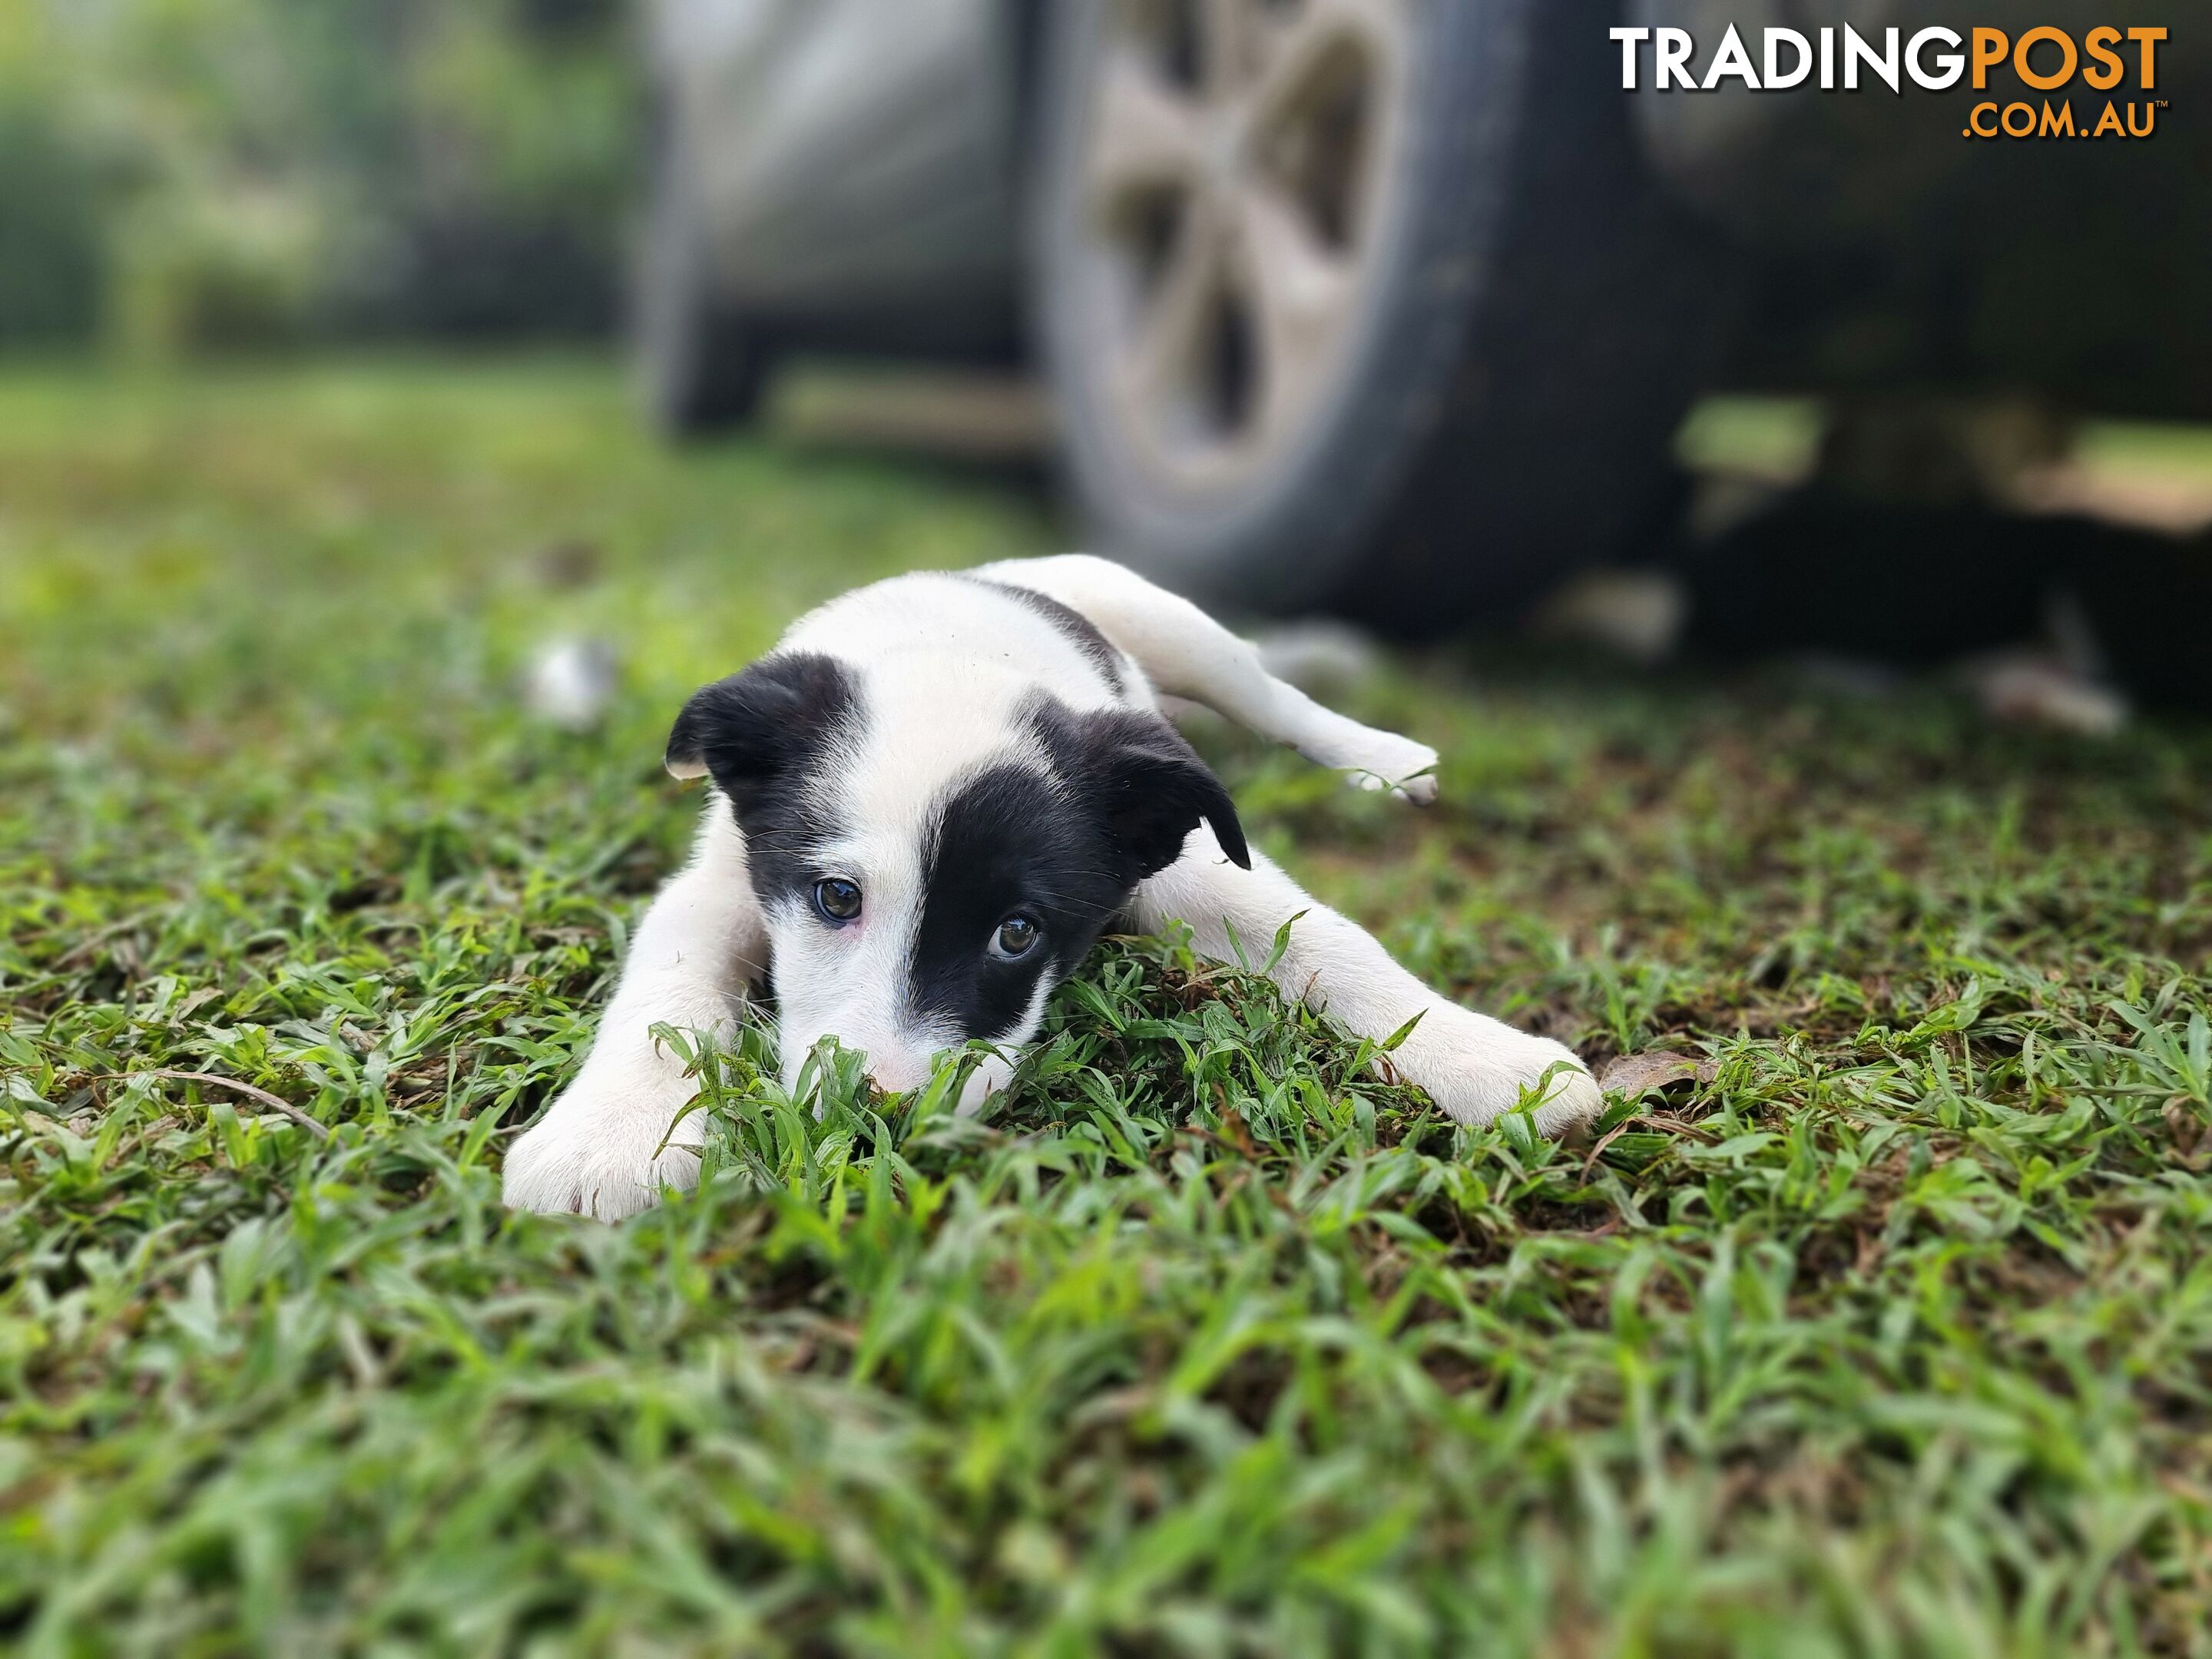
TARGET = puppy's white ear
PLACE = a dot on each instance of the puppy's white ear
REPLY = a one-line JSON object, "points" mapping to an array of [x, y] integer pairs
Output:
{"points": [[748, 728], [1153, 791]]}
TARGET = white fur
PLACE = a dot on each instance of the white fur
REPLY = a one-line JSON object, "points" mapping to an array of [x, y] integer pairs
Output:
{"points": [[598, 1151], [1472, 1066], [1186, 654], [943, 663]]}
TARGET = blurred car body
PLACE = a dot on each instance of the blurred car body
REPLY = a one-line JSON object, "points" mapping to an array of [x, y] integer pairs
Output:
{"points": [[1385, 307]]}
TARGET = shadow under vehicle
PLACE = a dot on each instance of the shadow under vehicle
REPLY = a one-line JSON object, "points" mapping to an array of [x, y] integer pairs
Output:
{"points": [[1392, 307]]}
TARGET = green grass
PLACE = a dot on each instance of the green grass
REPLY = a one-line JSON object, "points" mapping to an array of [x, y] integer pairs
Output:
{"points": [[1891, 1335]]}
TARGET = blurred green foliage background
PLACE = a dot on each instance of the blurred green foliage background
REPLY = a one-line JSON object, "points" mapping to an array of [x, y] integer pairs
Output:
{"points": [[178, 176]]}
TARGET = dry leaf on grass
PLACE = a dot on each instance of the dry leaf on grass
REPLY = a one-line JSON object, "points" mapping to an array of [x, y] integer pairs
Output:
{"points": [[1639, 1074]]}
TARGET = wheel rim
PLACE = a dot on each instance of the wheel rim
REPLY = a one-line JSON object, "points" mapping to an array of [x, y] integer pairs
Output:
{"points": [[1231, 174]]}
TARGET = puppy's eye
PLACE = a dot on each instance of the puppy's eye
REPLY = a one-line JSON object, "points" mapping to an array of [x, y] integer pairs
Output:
{"points": [[837, 899], [1018, 936]]}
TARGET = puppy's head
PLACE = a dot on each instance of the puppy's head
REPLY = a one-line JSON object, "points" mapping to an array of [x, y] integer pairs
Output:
{"points": [[933, 859]]}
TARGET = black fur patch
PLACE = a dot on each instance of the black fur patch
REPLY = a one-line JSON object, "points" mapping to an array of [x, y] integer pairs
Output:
{"points": [[1010, 839], [762, 736], [1078, 627], [1067, 849], [1145, 785]]}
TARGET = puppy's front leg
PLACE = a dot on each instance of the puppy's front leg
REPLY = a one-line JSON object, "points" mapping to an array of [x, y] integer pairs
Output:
{"points": [[1472, 1066], [598, 1149]]}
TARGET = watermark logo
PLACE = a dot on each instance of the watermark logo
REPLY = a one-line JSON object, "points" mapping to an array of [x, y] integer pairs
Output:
{"points": [[2042, 60]]}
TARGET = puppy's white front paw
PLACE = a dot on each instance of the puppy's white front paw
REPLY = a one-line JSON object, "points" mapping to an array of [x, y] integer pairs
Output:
{"points": [[598, 1151], [1475, 1068]]}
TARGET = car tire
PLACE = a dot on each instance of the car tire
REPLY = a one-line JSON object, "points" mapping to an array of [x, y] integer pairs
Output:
{"points": [[1519, 321], [699, 369]]}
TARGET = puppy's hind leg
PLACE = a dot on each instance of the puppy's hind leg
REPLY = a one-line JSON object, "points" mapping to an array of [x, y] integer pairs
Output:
{"points": [[1185, 653], [1472, 1066]]}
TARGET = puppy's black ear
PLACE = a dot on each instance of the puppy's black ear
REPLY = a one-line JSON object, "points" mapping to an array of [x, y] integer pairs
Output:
{"points": [[749, 728], [1153, 790]]}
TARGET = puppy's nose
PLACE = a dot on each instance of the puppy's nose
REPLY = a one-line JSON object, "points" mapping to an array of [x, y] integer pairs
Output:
{"points": [[894, 1074]]}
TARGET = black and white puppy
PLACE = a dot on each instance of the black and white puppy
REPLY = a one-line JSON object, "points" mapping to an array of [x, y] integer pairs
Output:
{"points": [[928, 802]]}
